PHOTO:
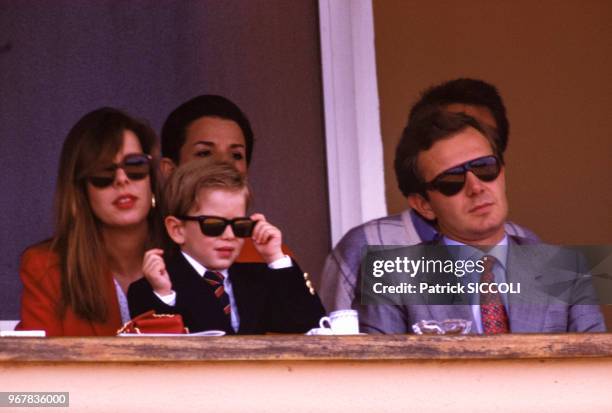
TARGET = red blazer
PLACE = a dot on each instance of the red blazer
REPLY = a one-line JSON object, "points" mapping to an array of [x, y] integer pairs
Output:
{"points": [[40, 300]]}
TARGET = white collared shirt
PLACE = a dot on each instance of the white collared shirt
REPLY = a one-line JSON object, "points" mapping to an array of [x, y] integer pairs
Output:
{"points": [[124, 308], [500, 252], [170, 299]]}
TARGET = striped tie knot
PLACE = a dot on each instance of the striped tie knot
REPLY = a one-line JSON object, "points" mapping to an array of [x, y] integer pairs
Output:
{"points": [[487, 277], [489, 262], [215, 279]]}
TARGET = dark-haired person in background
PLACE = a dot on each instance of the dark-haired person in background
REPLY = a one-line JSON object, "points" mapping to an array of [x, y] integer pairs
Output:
{"points": [[105, 218], [206, 126], [474, 97], [451, 170], [210, 126], [337, 281]]}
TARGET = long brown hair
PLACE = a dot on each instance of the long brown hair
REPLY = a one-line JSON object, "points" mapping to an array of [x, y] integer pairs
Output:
{"points": [[95, 138]]}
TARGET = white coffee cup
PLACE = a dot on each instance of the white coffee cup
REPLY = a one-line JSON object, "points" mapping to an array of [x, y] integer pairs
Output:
{"points": [[341, 322]]}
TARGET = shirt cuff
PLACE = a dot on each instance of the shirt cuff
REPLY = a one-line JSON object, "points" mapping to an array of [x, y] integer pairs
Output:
{"points": [[169, 299], [281, 263]]}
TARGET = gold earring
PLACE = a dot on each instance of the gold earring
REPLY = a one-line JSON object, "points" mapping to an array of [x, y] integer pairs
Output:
{"points": [[153, 201]]}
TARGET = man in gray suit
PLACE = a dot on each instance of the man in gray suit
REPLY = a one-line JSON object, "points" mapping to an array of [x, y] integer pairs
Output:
{"points": [[452, 172], [336, 283]]}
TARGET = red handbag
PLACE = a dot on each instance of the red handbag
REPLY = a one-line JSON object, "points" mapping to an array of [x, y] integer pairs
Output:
{"points": [[151, 323]]}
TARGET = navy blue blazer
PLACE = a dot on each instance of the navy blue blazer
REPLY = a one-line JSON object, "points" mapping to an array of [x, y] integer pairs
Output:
{"points": [[268, 301]]}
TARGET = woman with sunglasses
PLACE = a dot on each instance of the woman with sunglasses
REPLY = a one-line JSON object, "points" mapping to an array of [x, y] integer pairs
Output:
{"points": [[105, 217]]}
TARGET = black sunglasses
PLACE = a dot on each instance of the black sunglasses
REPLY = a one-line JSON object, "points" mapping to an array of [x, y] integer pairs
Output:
{"points": [[214, 226], [136, 166], [451, 181]]}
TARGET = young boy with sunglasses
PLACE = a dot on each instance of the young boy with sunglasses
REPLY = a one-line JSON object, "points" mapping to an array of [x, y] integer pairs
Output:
{"points": [[206, 206]]}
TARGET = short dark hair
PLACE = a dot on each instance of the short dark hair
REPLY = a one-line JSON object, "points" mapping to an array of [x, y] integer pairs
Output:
{"points": [[422, 131], [471, 92], [175, 127]]}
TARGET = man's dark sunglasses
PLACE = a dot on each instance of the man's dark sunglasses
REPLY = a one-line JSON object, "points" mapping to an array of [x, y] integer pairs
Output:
{"points": [[451, 181], [214, 226], [136, 166]]}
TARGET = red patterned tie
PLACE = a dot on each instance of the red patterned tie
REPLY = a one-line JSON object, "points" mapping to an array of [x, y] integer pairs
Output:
{"points": [[493, 314], [215, 279]]}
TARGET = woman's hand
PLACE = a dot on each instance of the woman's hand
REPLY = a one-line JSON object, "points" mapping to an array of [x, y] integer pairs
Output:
{"points": [[267, 239], [154, 270]]}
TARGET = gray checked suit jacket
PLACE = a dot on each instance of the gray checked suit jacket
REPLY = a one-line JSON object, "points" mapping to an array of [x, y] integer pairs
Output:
{"points": [[556, 296]]}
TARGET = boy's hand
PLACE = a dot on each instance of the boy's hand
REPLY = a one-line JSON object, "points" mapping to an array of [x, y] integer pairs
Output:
{"points": [[154, 270], [267, 239]]}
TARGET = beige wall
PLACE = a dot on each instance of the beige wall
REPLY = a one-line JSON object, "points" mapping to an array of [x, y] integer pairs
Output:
{"points": [[537, 385], [552, 61]]}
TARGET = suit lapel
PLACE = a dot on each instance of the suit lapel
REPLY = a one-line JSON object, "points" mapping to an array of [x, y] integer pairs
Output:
{"points": [[527, 309], [181, 272], [249, 294]]}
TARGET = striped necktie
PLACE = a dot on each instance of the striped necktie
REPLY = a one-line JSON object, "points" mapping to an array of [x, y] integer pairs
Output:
{"points": [[492, 311], [215, 279]]}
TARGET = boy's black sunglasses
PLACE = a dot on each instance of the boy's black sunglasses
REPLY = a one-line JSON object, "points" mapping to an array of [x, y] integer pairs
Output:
{"points": [[136, 166], [451, 181], [214, 226]]}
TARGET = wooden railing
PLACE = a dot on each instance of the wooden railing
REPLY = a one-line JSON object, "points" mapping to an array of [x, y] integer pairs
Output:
{"points": [[560, 372]]}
